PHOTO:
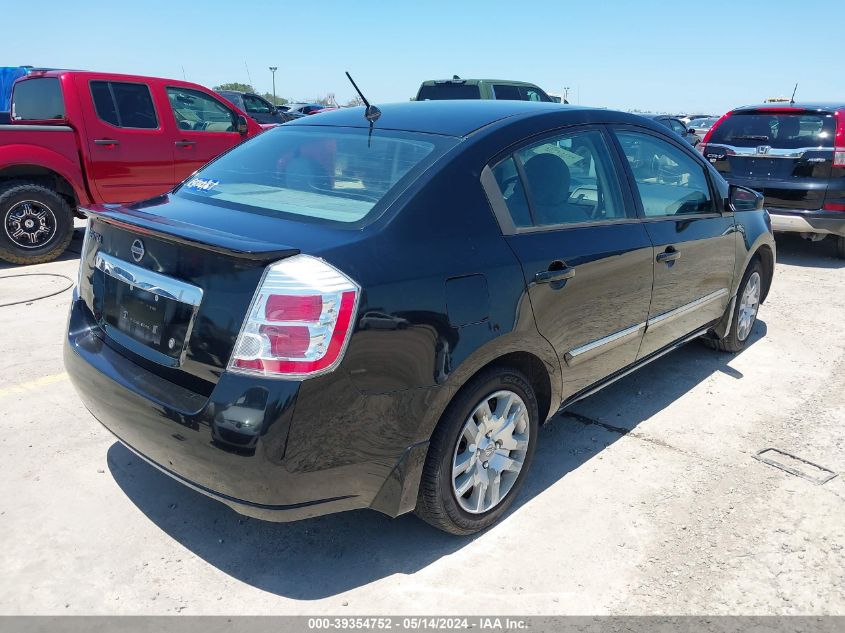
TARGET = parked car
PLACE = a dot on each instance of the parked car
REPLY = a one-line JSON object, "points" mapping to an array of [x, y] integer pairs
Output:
{"points": [[305, 108], [700, 127], [691, 117], [795, 155], [502, 89], [391, 309], [258, 107], [676, 125], [77, 138]]}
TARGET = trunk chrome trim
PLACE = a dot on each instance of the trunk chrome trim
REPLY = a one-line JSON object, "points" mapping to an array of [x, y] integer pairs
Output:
{"points": [[671, 315], [602, 345], [152, 282], [771, 152]]}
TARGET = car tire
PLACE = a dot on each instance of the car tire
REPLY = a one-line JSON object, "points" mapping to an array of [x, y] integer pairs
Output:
{"points": [[840, 246], [37, 223], [745, 311], [499, 448]]}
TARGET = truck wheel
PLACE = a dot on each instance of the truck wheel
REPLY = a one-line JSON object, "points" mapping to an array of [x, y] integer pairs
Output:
{"points": [[479, 453], [840, 247], [37, 223]]}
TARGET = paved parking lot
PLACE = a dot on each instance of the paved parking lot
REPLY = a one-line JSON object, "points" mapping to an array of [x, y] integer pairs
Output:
{"points": [[644, 499]]}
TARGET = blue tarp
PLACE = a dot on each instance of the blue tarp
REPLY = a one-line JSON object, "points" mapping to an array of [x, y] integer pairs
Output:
{"points": [[8, 74]]}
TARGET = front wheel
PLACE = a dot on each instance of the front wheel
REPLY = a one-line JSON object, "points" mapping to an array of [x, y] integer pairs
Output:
{"points": [[745, 312], [479, 453], [37, 224]]}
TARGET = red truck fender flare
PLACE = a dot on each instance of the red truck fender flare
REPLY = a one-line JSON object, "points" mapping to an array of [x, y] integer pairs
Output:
{"points": [[22, 155]]}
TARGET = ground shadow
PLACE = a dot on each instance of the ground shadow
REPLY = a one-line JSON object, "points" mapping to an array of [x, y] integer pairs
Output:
{"points": [[793, 250], [321, 557]]}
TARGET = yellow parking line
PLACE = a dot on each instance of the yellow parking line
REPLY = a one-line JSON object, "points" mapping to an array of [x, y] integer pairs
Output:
{"points": [[31, 385]]}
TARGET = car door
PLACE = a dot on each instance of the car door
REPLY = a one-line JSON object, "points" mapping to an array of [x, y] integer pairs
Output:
{"points": [[586, 258], [130, 152], [694, 239], [205, 129]]}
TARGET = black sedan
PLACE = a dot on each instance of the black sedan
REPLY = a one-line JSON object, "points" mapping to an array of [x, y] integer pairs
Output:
{"points": [[347, 313]]}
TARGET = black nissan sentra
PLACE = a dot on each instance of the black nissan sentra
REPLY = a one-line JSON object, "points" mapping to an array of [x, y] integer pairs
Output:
{"points": [[342, 314]]}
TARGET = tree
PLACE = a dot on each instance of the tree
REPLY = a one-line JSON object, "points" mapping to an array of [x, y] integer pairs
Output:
{"points": [[235, 86], [279, 100]]}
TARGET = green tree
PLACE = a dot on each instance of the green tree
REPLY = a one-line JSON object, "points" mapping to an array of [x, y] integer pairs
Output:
{"points": [[236, 86], [278, 100]]}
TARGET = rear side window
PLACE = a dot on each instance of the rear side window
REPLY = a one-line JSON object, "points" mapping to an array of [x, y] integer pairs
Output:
{"points": [[338, 175], [776, 129], [444, 91], [198, 112], [124, 105], [38, 100], [507, 93], [670, 182], [567, 179]]}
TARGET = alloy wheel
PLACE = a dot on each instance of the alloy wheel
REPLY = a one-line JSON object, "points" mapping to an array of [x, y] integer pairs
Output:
{"points": [[748, 305], [30, 224]]}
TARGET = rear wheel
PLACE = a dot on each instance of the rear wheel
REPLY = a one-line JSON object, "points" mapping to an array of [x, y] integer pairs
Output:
{"points": [[479, 453], [37, 224], [840, 247], [745, 311]]}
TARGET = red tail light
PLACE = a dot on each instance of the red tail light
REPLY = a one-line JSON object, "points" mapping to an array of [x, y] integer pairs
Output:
{"points": [[839, 140], [833, 206], [299, 322]]}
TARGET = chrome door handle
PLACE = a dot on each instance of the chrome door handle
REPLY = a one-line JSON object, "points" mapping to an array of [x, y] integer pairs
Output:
{"points": [[669, 255], [547, 276], [185, 143]]}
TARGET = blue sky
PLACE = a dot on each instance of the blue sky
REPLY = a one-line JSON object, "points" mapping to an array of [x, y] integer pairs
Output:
{"points": [[658, 56]]}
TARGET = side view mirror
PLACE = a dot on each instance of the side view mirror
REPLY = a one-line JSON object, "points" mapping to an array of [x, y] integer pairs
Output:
{"points": [[243, 128], [691, 130], [744, 199]]}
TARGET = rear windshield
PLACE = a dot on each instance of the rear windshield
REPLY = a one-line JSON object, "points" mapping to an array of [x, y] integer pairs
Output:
{"points": [[330, 174], [776, 129], [439, 92], [38, 100]]}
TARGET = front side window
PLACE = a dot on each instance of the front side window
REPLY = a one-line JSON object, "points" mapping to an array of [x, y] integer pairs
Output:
{"points": [[337, 175], [38, 100], [567, 179], [198, 112], [254, 105], [670, 182], [506, 93], [124, 105]]}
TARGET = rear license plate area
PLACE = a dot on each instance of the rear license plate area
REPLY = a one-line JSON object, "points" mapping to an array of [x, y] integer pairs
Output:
{"points": [[146, 312]]}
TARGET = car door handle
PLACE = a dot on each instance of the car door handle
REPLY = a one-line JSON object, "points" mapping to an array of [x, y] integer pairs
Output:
{"points": [[561, 274], [106, 141], [669, 255], [185, 143]]}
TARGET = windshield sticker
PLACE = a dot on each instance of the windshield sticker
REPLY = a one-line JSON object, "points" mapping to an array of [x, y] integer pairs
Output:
{"points": [[202, 184]]}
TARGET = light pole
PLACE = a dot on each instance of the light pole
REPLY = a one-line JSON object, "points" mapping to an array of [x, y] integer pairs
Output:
{"points": [[273, 70]]}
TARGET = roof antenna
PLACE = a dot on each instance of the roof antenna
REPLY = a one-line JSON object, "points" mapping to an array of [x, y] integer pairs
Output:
{"points": [[792, 100], [372, 113]]}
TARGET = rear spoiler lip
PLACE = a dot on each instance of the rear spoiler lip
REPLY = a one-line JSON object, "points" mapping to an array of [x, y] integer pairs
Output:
{"points": [[191, 235]]}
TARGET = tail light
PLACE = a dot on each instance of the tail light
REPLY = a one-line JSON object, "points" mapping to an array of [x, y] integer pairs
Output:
{"points": [[839, 140], [702, 146], [299, 322]]}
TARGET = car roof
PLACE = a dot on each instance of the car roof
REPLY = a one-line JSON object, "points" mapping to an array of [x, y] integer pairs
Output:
{"points": [[800, 105], [105, 76], [431, 82], [659, 116], [448, 117]]}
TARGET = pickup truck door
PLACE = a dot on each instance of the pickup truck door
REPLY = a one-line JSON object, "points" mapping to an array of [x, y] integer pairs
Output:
{"points": [[205, 128], [130, 155]]}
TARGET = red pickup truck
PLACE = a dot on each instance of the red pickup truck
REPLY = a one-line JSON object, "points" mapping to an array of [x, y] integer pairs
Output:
{"points": [[77, 138]]}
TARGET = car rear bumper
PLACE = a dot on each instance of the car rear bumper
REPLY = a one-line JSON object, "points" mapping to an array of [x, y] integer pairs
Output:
{"points": [[243, 445], [815, 222]]}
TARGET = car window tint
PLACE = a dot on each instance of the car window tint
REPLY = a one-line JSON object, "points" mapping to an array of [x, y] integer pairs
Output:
{"points": [[677, 126], [448, 90], [570, 179], [670, 181], [513, 192], [254, 105], [785, 131], [122, 104], [506, 93], [198, 112], [38, 100]]}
